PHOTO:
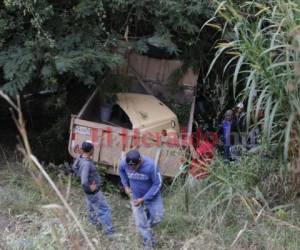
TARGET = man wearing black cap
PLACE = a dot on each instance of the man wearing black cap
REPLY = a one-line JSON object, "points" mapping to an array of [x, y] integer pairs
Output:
{"points": [[142, 182], [97, 207]]}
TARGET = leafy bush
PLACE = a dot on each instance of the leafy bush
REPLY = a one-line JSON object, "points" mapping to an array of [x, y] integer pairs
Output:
{"points": [[48, 43]]}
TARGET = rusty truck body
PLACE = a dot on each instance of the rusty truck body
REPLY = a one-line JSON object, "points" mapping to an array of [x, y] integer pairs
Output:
{"points": [[137, 121]]}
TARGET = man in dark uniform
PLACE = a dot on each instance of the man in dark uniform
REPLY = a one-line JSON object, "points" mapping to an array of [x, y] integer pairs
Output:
{"points": [[97, 207]]}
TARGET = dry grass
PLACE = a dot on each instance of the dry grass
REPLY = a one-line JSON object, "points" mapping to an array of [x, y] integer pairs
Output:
{"points": [[35, 221], [235, 208]]}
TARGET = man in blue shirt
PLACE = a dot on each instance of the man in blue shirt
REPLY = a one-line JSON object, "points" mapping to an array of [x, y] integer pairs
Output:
{"points": [[97, 207], [142, 182], [227, 126]]}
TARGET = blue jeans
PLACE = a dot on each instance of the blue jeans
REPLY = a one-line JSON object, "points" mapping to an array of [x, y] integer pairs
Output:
{"points": [[146, 216], [99, 211], [227, 155]]}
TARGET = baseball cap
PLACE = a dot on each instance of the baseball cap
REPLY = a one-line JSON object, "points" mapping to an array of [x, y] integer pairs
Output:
{"points": [[87, 146], [133, 157]]}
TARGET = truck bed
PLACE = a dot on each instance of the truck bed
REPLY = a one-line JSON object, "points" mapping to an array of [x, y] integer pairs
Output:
{"points": [[118, 116], [91, 112], [87, 125]]}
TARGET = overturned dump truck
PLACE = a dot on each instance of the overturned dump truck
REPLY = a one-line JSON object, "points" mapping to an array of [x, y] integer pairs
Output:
{"points": [[136, 118], [131, 120]]}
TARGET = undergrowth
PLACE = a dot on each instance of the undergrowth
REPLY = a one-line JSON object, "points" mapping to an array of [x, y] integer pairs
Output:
{"points": [[242, 205]]}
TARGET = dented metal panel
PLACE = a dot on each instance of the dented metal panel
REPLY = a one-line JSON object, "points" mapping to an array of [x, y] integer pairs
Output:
{"points": [[147, 114], [111, 142]]}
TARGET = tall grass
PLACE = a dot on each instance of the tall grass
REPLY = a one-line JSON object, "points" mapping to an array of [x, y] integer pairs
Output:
{"points": [[234, 208], [35, 219], [239, 206], [264, 38]]}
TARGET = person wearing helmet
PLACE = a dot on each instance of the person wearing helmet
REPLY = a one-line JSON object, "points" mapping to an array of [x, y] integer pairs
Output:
{"points": [[142, 182], [97, 207]]}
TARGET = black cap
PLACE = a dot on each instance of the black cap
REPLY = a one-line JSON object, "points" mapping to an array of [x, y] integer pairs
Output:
{"points": [[87, 146], [133, 157]]}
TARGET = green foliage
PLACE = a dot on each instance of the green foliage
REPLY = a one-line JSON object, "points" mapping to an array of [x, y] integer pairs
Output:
{"points": [[230, 198], [162, 40], [181, 110], [263, 38], [48, 40], [257, 175], [251, 193], [45, 43], [18, 67]]}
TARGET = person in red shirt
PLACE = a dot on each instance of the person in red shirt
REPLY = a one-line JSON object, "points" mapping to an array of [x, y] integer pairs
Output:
{"points": [[202, 158]]}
